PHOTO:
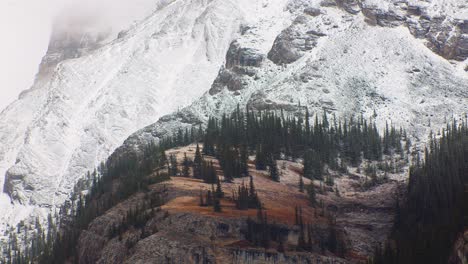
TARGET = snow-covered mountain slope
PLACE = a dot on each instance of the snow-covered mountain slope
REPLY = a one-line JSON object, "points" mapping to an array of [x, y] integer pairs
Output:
{"points": [[72, 121], [345, 57], [403, 60]]}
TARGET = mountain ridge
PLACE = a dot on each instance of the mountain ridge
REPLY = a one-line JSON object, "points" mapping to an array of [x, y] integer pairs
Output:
{"points": [[92, 103], [338, 56]]}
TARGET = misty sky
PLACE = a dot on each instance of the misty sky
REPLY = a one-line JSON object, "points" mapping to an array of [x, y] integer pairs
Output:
{"points": [[25, 28]]}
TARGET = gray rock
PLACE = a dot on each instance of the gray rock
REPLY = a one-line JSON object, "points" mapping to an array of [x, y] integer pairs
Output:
{"points": [[240, 62], [239, 56], [350, 6], [226, 78], [375, 16], [328, 3], [291, 44], [312, 11], [447, 38], [418, 28]]}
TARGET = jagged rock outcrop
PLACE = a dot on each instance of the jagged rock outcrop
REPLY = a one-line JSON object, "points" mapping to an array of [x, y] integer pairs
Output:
{"points": [[460, 250], [183, 238], [376, 16], [351, 6], [445, 32], [180, 231], [449, 38], [298, 38], [240, 62]]}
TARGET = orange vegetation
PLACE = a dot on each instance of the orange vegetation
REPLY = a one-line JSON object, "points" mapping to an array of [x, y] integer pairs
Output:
{"points": [[279, 199]]}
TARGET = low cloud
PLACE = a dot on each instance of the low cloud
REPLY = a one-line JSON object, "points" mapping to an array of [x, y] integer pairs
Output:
{"points": [[98, 16], [25, 26]]}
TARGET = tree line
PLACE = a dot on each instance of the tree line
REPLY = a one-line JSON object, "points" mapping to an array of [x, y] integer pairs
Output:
{"points": [[232, 139], [435, 210]]}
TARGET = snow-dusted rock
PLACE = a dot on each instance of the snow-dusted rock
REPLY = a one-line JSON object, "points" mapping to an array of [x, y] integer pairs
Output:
{"points": [[356, 68], [72, 121], [296, 39]]}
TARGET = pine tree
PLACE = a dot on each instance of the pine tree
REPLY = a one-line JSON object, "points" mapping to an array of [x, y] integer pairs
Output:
{"points": [[173, 168], [311, 194], [202, 201], [216, 200], [244, 158], [273, 167], [219, 191], [186, 166], [301, 184], [209, 198], [197, 164], [260, 160], [312, 165]]}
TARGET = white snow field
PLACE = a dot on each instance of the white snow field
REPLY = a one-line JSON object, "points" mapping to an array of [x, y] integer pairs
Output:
{"points": [[355, 68], [62, 128]]}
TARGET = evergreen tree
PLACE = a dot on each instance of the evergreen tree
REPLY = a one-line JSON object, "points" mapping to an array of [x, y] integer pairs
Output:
{"points": [[260, 159], [197, 164], [301, 184], [273, 167], [186, 166], [244, 158], [202, 201], [219, 191], [435, 209], [216, 200], [311, 194], [312, 165], [173, 168]]}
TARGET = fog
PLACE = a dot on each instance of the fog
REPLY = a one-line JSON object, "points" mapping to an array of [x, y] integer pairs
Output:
{"points": [[26, 26], [102, 15]]}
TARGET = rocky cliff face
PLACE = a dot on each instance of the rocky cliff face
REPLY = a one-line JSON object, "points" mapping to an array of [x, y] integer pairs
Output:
{"points": [[460, 250], [181, 231]]}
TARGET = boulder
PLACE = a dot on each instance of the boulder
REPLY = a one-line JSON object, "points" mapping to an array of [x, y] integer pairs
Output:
{"points": [[245, 57], [292, 42]]}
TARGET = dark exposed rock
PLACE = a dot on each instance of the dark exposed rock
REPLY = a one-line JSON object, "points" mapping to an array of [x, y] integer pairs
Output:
{"points": [[12, 182], [240, 62], [312, 11], [239, 56], [414, 10], [463, 25], [376, 16], [350, 6], [328, 3], [460, 249], [419, 28], [446, 38], [226, 78], [291, 44]]}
